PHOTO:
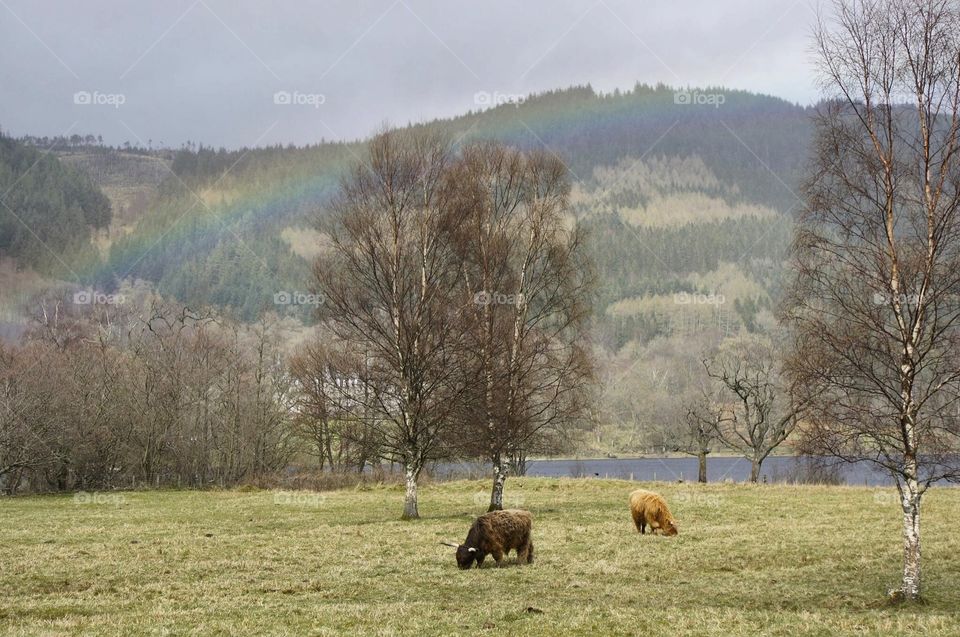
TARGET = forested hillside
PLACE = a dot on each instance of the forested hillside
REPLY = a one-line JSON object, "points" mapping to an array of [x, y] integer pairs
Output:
{"points": [[714, 189], [687, 207], [129, 179], [48, 210]]}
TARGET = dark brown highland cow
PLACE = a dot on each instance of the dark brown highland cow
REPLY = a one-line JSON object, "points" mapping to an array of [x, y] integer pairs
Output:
{"points": [[650, 509], [497, 533]]}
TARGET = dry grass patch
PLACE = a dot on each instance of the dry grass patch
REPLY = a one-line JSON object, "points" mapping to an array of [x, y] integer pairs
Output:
{"points": [[771, 560]]}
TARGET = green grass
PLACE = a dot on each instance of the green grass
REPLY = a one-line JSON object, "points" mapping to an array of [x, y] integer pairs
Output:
{"points": [[749, 560]]}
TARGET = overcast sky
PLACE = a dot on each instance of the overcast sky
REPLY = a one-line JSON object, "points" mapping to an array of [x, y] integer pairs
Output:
{"points": [[214, 71]]}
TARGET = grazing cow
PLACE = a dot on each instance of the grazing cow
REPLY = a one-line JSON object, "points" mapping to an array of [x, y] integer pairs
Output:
{"points": [[497, 533], [649, 508]]}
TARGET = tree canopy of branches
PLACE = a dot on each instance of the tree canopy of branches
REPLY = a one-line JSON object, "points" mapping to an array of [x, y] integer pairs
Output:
{"points": [[390, 284], [701, 420], [530, 287], [152, 393], [459, 281], [331, 411], [757, 413], [876, 299]]}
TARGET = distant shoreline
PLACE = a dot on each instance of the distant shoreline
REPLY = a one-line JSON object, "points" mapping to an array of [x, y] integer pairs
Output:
{"points": [[714, 454]]}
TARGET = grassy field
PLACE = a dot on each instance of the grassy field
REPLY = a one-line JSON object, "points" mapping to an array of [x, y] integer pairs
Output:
{"points": [[749, 560]]}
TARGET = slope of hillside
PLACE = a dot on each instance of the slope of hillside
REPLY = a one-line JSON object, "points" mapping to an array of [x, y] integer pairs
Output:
{"points": [[48, 210], [129, 180], [754, 143], [222, 228], [669, 190]]}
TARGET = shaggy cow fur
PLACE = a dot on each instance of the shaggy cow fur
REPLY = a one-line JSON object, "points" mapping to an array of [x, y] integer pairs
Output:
{"points": [[650, 509], [496, 533]]}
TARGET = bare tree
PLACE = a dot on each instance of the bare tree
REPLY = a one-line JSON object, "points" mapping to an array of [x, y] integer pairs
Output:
{"points": [[269, 400], [101, 395], [529, 286], [318, 405], [162, 346], [683, 405], [390, 285], [698, 433], [757, 413], [92, 444], [26, 432], [331, 415], [877, 252]]}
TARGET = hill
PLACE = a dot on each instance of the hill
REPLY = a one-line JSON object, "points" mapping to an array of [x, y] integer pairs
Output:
{"points": [[49, 209], [49, 212], [129, 180], [669, 191], [687, 203]]}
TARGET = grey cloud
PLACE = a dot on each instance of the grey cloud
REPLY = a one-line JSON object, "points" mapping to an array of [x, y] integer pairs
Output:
{"points": [[212, 75]]}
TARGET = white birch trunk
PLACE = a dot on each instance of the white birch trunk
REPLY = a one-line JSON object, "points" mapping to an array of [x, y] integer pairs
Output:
{"points": [[911, 540], [410, 501], [499, 478]]}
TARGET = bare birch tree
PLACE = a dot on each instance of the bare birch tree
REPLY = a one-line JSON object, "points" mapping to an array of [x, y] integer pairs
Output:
{"points": [[529, 287], [875, 300], [390, 287]]}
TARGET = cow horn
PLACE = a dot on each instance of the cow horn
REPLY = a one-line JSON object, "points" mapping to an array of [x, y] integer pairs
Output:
{"points": [[472, 549], [450, 544]]}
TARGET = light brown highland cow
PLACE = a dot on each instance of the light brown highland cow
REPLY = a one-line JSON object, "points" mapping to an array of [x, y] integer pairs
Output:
{"points": [[650, 509]]}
